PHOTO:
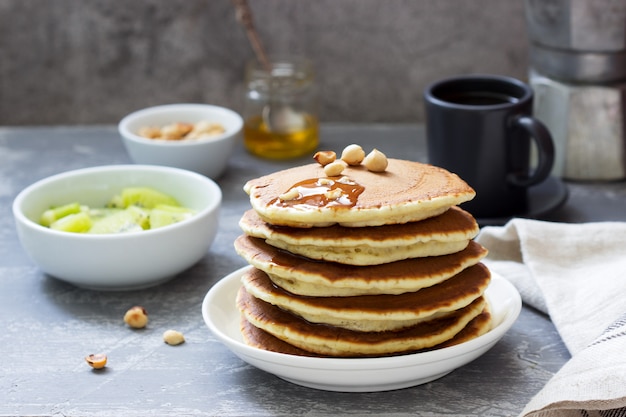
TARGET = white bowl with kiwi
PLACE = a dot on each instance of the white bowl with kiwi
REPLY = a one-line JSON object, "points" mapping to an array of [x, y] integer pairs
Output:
{"points": [[77, 226]]}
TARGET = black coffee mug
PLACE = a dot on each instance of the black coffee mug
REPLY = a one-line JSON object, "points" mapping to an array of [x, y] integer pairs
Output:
{"points": [[480, 127]]}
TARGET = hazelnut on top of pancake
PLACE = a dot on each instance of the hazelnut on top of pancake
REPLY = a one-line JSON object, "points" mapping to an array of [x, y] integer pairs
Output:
{"points": [[447, 233], [406, 191]]}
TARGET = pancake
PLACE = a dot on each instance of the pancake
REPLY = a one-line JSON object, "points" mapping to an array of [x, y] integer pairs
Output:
{"points": [[253, 336], [260, 339], [375, 313], [407, 191], [303, 276], [447, 233], [327, 340], [481, 324]]}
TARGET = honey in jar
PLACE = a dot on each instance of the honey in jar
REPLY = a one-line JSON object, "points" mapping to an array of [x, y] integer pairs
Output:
{"points": [[281, 109]]}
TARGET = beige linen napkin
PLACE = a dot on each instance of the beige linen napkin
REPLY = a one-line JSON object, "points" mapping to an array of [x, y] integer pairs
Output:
{"points": [[575, 273]]}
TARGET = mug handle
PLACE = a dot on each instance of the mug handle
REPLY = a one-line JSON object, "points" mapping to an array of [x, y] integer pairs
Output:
{"points": [[545, 150]]}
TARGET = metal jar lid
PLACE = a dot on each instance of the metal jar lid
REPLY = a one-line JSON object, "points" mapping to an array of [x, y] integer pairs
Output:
{"points": [[579, 67], [578, 40]]}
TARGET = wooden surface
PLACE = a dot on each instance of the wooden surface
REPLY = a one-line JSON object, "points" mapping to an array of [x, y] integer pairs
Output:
{"points": [[49, 326]]}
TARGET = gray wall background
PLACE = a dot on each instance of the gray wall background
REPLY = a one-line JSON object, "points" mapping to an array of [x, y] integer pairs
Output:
{"points": [[93, 61]]}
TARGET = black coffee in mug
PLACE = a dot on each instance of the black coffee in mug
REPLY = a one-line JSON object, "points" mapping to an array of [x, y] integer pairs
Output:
{"points": [[478, 98], [480, 127]]}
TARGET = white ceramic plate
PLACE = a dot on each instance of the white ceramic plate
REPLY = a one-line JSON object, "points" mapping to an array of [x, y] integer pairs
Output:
{"points": [[356, 374]]}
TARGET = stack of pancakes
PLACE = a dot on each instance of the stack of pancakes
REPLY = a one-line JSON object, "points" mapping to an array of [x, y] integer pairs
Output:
{"points": [[361, 264]]}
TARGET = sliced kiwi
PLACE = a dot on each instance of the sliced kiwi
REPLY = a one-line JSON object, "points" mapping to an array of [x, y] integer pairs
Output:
{"points": [[141, 216], [120, 221], [164, 215], [145, 197], [75, 222], [134, 209], [99, 213], [55, 213]]}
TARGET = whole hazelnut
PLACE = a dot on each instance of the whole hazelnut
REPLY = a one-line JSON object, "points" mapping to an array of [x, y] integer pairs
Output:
{"points": [[353, 154], [136, 317], [376, 161]]}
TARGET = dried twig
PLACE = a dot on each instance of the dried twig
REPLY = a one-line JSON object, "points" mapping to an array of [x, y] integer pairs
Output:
{"points": [[244, 16]]}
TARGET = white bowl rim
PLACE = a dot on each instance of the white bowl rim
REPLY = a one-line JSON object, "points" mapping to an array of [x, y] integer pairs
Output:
{"points": [[22, 218], [128, 134]]}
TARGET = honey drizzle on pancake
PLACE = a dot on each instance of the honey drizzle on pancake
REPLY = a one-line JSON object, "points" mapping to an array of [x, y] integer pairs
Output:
{"points": [[321, 192]]}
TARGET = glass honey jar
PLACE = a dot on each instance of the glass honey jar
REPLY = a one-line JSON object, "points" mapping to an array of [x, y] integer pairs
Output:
{"points": [[280, 111]]}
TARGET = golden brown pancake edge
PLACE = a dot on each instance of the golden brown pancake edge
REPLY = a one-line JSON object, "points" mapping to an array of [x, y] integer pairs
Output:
{"points": [[375, 312], [332, 278], [339, 342], [406, 191]]}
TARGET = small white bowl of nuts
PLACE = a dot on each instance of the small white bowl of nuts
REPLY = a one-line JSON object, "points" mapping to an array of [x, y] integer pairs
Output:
{"points": [[196, 137]]}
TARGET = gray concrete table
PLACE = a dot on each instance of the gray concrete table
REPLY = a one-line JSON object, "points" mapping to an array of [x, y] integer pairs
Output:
{"points": [[49, 326]]}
